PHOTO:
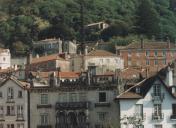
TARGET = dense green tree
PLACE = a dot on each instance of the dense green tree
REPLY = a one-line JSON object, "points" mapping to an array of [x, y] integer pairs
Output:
{"points": [[148, 19]]}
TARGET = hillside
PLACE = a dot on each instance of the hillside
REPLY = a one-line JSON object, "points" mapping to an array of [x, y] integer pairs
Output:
{"points": [[26, 20]]}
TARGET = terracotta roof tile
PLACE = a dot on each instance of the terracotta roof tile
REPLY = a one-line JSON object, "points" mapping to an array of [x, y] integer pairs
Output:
{"points": [[150, 45], [129, 95], [68, 74], [60, 74], [130, 73], [46, 58], [100, 53]]}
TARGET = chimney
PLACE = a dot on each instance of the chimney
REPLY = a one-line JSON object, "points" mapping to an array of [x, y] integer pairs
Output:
{"points": [[86, 50], [53, 80], [29, 58], [142, 43], [169, 78]]}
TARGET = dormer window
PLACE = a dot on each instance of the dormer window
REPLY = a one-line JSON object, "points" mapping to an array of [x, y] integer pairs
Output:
{"points": [[138, 90]]}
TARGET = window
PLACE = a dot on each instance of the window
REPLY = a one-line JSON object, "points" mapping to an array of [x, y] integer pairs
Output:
{"points": [[156, 62], [174, 109], [4, 58], [156, 53], [158, 126], [1, 95], [1, 111], [82, 96], [164, 61], [102, 96], [20, 109], [147, 53], [138, 90], [102, 116], [10, 94], [10, 125], [139, 110], [147, 62], [73, 97], [20, 94], [44, 119], [44, 98], [20, 125], [1, 125], [164, 53], [129, 52], [157, 109], [10, 111], [157, 90], [140, 126], [101, 61]]}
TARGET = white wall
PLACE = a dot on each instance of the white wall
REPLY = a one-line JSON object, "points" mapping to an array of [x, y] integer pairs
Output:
{"points": [[127, 107]]}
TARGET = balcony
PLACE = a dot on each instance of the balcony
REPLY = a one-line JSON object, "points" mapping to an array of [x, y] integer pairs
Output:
{"points": [[102, 104], [157, 116], [20, 117], [173, 117], [72, 105], [159, 97], [44, 126]]}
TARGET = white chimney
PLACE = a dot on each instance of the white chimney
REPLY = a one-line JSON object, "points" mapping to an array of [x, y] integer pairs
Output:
{"points": [[86, 50], [169, 78]]}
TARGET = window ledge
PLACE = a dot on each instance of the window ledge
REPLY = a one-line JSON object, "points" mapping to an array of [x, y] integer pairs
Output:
{"points": [[44, 106], [102, 104]]}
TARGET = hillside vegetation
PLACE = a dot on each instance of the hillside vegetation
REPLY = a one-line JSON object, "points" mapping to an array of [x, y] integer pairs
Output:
{"points": [[22, 21]]}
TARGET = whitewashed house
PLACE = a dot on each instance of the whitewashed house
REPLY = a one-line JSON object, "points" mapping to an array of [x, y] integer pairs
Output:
{"points": [[102, 60], [13, 104], [5, 58], [150, 103]]}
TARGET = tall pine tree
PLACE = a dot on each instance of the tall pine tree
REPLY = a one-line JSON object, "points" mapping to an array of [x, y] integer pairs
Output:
{"points": [[148, 19]]}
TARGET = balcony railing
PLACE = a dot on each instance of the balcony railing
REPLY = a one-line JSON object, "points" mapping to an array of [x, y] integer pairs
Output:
{"points": [[10, 100], [173, 117], [44, 126], [157, 116], [157, 97], [20, 117], [102, 104], [72, 105]]}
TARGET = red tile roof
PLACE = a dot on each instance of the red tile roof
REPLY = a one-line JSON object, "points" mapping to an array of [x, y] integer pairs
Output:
{"points": [[150, 45], [46, 58], [100, 53], [59, 74]]}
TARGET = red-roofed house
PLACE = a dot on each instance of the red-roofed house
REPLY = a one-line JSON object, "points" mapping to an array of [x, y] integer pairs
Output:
{"points": [[49, 63], [150, 55], [102, 60]]}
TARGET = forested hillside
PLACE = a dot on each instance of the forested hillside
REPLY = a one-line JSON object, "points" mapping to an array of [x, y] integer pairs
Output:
{"points": [[22, 21]]}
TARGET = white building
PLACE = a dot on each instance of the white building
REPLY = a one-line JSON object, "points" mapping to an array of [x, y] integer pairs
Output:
{"points": [[5, 58], [103, 61], [72, 104], [150, 103], [13, 104]]}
